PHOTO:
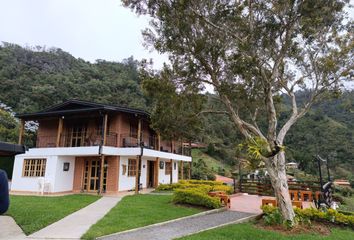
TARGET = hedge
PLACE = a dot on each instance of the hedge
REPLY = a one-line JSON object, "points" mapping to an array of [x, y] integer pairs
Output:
{"points": [[195, 196], [308, 214]]}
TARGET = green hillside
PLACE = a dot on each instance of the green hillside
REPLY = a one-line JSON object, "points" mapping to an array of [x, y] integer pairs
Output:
{"points": [[213, 164]]}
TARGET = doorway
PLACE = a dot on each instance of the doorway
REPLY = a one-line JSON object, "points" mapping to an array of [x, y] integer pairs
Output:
{"points": [[150, 174], [91, 176]]}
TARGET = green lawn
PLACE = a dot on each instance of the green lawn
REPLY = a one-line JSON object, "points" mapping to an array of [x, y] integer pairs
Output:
{"points": [[247, 231], [138, 211], [349, 204], [33, 213]]}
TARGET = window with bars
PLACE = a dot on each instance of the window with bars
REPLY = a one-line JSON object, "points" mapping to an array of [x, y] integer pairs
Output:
{"points": [[34, 167], [132, 166], [168, 168]]}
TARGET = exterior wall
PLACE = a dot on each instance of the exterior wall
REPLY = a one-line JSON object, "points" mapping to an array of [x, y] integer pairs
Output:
{"points": [[125, 183], [64, 179], [47, 133], [165, 179], [31, 184]]}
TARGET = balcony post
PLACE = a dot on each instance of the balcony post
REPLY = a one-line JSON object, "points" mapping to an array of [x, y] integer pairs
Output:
{"points": [[101, 173], [182, 169], [60, 129], [171, 175], [139, 132], [156, 172], [22, 131], [105, 122], [190, 170]]}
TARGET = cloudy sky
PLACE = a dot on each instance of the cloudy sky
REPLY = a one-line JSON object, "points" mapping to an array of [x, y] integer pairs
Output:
{"points": [[89, 29]]}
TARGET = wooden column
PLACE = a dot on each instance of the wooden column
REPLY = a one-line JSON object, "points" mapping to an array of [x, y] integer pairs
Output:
{"points": [[60, 130], [171, 175], [190, 170], [139, 132], [137, 175], [22, 131], [182, 170], [158, 142], [105, 122], [101, 174], [156, 172]]}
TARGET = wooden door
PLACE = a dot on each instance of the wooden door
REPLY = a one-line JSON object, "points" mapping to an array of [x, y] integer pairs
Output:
{"points": [[92, 175]]}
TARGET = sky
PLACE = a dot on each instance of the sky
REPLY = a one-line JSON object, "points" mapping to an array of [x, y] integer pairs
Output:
{"points": [[89, 29]]}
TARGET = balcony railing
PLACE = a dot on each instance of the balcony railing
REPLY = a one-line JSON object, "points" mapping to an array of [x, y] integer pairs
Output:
{"points": [[112, 139]]}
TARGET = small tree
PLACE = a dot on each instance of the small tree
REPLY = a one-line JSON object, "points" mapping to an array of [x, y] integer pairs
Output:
{"points": [[255, 51]]}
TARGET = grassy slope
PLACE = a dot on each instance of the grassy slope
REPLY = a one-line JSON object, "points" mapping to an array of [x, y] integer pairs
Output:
{"points": [[248, 232], [137, 211], [33, 213], [349, 204], [211, 162]]}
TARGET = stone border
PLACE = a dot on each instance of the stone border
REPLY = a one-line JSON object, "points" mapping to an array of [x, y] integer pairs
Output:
{"points": [[169, 221]]}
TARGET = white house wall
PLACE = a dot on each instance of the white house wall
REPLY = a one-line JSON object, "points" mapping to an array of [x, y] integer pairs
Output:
{"points": [[31, 184], [64, 179], [165, 179]]}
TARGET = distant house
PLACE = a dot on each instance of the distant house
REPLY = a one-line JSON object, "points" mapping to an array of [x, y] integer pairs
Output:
{"points": [[342, 182], [225, 180], [89, 147], [291, 165]]}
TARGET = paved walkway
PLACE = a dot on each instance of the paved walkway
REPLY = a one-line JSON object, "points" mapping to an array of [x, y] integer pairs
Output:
{"points": [[182, 227], [76, 224], [252, 203], [9, 230]]}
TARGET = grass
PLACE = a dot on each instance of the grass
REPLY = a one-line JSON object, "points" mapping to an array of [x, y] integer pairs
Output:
{"points": [[349, 204], [248, 231], [138, 211], [33, 213], [211, 162]]}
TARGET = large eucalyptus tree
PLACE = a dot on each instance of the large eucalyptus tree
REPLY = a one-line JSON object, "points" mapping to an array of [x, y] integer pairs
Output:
{"points": [[258, 49]]}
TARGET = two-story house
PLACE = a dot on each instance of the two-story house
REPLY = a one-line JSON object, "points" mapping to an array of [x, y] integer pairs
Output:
{"points": [[89, 147]]}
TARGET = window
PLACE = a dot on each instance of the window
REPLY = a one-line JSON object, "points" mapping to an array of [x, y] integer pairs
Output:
{"points": [[132, 167], [34, 167], [168, 168]]}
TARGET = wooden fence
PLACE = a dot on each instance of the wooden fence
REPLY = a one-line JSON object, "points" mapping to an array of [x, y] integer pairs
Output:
{"points": [[264, 187]]}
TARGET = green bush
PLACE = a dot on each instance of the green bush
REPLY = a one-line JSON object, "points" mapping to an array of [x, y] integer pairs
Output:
{"points": [[205, 182], [224, 188], [308, 214], [195, 196], [344, 191], [168, 187]]}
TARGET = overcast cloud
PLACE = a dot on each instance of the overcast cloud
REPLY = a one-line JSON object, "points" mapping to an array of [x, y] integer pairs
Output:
{"points": [[89, 29]]}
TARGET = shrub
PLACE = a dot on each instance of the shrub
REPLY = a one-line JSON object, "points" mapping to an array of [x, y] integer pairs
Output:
{"points": [[225, 188], [344, 191], [308, 214], [205, 182], [195, 196], [168, 187]]}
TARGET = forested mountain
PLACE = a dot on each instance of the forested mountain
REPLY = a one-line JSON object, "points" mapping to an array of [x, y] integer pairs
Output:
{"points": [[32, 79]]}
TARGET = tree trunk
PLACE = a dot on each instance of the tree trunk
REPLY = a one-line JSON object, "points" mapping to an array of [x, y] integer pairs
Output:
{"points": [[277, 173]]}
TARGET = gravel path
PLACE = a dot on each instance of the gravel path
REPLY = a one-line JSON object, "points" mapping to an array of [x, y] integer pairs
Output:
{"points": [[180, 228]]}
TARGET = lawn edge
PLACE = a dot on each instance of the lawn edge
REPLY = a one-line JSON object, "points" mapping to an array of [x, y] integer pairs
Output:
{"points": [[169, 221]]}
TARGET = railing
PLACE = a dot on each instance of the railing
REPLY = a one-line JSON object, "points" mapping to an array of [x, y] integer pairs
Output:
{"points": [[67, 140], [264, 187], [112, 139], [130, 140]]}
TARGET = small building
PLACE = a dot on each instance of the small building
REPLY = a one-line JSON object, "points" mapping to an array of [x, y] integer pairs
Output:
{"points": [[342, 182], [291, 165], [90, 147], [226, 180]]}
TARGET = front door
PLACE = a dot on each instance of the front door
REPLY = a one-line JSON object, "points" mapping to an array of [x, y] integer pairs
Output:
{"points": [[92, 175], [150, 174]]}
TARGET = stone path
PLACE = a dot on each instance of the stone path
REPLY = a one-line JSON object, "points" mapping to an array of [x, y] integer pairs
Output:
{"points": [[9, 230], [76, 224], [182, 227]]}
